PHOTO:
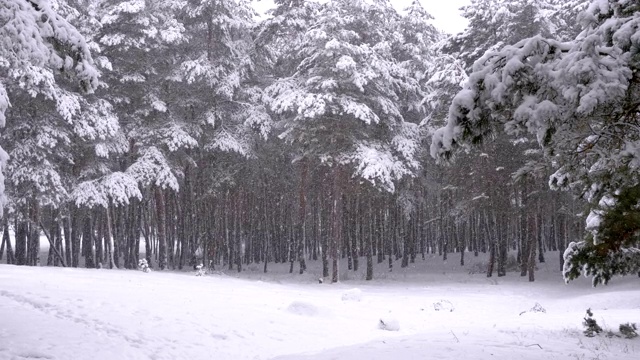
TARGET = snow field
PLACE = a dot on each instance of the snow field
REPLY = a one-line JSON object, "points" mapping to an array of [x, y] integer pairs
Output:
{"points": [[55, 313]]}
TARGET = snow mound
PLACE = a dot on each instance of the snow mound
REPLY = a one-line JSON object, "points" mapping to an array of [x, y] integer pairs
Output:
{"points": [[354, 294], [389, 324], [443, 305], [303, 308]]}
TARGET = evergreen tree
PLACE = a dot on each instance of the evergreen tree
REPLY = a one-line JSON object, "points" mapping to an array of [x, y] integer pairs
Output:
{"points": [[577, 99], [34, 65], [495, 23], [343, 104], [139, 39]]}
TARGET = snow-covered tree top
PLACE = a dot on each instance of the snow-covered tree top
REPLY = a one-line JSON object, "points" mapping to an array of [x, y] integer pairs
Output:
{"points": [[35, 42]]}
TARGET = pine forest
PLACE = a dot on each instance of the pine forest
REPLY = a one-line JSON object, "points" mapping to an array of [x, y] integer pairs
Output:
{"points": [[188, 132]]}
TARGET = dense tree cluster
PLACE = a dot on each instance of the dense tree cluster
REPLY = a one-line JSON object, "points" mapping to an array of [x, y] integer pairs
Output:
{"points": [[577, 100], [214, 137]]}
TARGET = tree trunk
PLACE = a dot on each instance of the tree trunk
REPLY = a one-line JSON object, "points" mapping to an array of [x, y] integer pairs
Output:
{"points": [[7, 240], [160, 225], [502, 250], [87, 241], [75, 237], [110, 250], [369, 275], [33, 247], [66, 229], [302, 211], [21, 243], [52, 244], [461, 246], [533, 239], [2, 246], [336, 226], [541, 238], [491, 243]]}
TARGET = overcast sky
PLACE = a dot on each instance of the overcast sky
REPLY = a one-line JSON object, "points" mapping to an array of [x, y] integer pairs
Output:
{"points": [[446, 13]]}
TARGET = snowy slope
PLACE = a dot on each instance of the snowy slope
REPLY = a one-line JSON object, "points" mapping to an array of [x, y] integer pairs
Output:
{"points": [[54, 313]]}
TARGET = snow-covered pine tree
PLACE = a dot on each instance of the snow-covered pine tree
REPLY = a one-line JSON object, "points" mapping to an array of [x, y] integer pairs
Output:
{"points": [[285, 29], [216, 67], [275, 37], [577, 99], [493, 24], [415, 51], [221, 91], [29, 63], [63, 129], [344, 102], [139, 39]]}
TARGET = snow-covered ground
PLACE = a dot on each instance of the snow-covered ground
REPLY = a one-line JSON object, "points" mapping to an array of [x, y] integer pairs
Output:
{"points": [[54, 313]]}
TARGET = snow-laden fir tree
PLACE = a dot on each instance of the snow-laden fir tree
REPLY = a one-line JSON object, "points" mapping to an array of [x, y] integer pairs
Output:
{"points": [[59, 128], [216, 67], [344, 103], [415, 51], [139, 39], [517, 161], [578, 100], [37, 44], [281, 32], [495, 23], [221, 98], [275, 38]]}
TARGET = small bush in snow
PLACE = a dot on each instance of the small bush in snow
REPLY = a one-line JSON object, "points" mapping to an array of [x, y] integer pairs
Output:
{"points": [[537, 308], [443, 305], [143, 265], [389, 324], [591, 325], [629, 330], [200, 270], [352, 295]]}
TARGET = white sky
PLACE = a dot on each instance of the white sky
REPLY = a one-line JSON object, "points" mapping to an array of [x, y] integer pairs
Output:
{"points": [[446, 13]]}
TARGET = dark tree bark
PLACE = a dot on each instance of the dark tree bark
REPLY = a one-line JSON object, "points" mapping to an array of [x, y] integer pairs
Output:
{"points": [[302, 211], [52, 245], [541, 231], [160, 228], [370, 241], [21, 242], [87, 241], [336, 223], [535, 233], [66, 228], [7, 240], [110, 242]]}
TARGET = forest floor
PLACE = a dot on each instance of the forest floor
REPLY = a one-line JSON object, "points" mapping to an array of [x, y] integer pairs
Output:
{"points": [[438, 310]]}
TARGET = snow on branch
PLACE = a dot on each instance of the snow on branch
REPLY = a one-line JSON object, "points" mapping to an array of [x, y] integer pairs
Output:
{"points": [[379, 166], [152, 168], [116, 188]]}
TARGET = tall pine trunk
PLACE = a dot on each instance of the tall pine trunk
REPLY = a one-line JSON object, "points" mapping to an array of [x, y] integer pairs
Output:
{"points": [[87, 241], [7, 240], [336, 226], [302, 210], [369, 275], [111, 246], [161, 230], [21, 242]]}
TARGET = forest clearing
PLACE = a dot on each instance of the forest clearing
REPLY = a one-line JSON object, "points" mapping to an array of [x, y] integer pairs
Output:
{"points": [[440, 310]]}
